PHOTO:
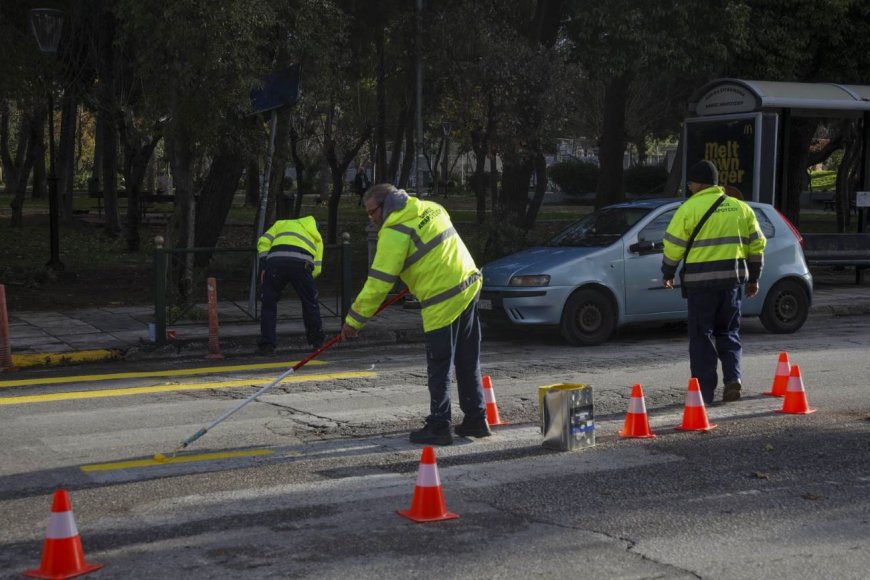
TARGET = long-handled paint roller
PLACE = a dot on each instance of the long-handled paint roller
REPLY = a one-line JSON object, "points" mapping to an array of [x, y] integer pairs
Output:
{"points": [[161, 458]]}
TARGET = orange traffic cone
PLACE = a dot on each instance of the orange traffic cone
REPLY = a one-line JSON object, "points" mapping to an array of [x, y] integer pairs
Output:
{"points": [[62, 554], [795, 402], [780, 379], [491, 408], [695, 414], [428, 503], [636, 421]]}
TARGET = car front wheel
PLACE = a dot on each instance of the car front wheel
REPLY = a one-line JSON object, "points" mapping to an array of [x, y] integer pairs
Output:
{"points": [[589, 318], [786, 307]]}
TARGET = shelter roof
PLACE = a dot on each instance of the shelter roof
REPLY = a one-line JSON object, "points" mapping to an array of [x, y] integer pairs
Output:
{"points": [[726, 95]]}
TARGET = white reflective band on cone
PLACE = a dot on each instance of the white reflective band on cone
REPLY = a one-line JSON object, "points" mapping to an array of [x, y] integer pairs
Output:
{"points": [[693, 399], [61, 526], [636, 405], [795, 385], [782, 368], [427, 476], [488, 396]]}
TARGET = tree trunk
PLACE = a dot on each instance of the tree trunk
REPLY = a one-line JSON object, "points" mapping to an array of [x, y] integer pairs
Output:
{"points": [[396, 153], [610, 188], [17, 169], [252, 181], [479, 145], [381, 122], [66, 153], [516, 175], [410, 151], [301, 182], [846, 175], [182, 156], [338, 169], [138, 151], [39, 187], [803, 129], [540, 169], [216, 199]]}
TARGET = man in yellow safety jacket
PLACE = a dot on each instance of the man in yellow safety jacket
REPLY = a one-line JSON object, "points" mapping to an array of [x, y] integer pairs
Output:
{"points": [[727, 252], [417, 243], [290, 252]]}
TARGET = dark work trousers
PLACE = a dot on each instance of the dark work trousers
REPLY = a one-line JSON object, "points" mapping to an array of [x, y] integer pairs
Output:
{"points": [[298, 274], [714, 335], [456, 345]]}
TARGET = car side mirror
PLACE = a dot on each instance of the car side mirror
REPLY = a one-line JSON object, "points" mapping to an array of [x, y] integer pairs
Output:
{"points": [[645, 247]]}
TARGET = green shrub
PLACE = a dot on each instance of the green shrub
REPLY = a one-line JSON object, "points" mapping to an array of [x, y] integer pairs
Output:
{"points": [[574, 177], [645, 179]]}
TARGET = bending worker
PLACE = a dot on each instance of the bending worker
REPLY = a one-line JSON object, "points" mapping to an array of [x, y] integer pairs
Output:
{"points": [[290, 252], [727, 252], [417, 243]]}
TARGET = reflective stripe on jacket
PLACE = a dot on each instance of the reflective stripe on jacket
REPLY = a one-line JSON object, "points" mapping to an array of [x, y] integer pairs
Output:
{"points": [[729, 249], [294, 240], [419, 245]]}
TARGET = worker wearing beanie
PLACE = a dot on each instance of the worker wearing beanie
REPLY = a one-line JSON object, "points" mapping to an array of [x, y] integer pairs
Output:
{"points": [[727, 252], [418, 244]]}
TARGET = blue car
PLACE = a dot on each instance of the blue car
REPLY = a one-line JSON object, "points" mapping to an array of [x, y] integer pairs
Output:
{"points": [[604, 272]]}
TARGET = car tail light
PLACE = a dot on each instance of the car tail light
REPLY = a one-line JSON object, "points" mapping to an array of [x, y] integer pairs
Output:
{"points": [[793, 229]]}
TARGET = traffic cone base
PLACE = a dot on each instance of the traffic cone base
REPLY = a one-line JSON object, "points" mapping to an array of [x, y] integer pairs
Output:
{"points": [[695, 414], [62, 553], [795, 402], [636, 420], [491, 408], [780, 378], [428, 503]]}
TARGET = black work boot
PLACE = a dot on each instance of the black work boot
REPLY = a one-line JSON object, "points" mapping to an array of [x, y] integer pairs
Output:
{"points": [[473, 428], [433, 435], [732, 391]]}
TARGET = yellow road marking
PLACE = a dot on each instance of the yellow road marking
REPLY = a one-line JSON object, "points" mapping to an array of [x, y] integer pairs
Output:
{"points": [[98, 394], [146, 374], [56, 358], [177, 459]]}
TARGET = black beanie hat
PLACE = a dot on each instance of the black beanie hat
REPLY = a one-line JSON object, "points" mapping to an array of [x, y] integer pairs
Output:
{"points": [[703, 172]]}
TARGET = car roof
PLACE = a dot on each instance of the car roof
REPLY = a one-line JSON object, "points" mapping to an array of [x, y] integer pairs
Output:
{"points": [[648, 203], [654, 203]]}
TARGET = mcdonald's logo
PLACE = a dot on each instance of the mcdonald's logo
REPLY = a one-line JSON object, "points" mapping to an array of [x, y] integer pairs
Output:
{"points": [[747, 129]]}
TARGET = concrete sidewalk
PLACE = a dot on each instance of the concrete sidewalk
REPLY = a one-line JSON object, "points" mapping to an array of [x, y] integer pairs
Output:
{"points": [[66, 337]]}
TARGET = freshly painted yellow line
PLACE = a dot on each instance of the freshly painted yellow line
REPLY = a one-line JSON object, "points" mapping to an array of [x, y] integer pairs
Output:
{"points": [[147, 374], [59, 358], [177, 459], [99, 394]]}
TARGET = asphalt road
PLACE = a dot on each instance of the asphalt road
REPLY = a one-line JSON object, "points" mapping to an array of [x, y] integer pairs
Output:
{"points": [[324, 463]]}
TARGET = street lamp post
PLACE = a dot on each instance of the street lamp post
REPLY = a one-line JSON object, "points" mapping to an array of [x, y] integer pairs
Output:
{"points": [[47, 24]]}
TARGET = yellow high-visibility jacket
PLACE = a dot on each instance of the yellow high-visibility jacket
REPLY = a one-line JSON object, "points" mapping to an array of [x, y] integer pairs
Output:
{"points": [[729, 249], [292, 240], [419, 245]]}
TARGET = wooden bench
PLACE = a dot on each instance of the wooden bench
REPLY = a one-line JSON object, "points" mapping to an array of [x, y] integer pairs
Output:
{"points": [[848, 250]]}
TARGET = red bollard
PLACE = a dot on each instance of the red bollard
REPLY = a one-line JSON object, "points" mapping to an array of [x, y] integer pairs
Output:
{"points": [[5, 350], [214, 345]]}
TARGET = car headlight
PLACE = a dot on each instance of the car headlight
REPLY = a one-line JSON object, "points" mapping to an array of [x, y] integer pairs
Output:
{"points": [[539, 280]]}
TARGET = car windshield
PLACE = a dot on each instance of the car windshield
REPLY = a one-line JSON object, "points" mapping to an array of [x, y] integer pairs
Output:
{"points": [[600, 228]]}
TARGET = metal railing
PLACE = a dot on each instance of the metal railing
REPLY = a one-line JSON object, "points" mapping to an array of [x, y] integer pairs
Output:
{"points": [[177, 281]]}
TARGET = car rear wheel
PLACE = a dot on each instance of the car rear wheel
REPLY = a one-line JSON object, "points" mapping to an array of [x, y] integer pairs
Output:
{"points": [[786, 307], [589, 318]]}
